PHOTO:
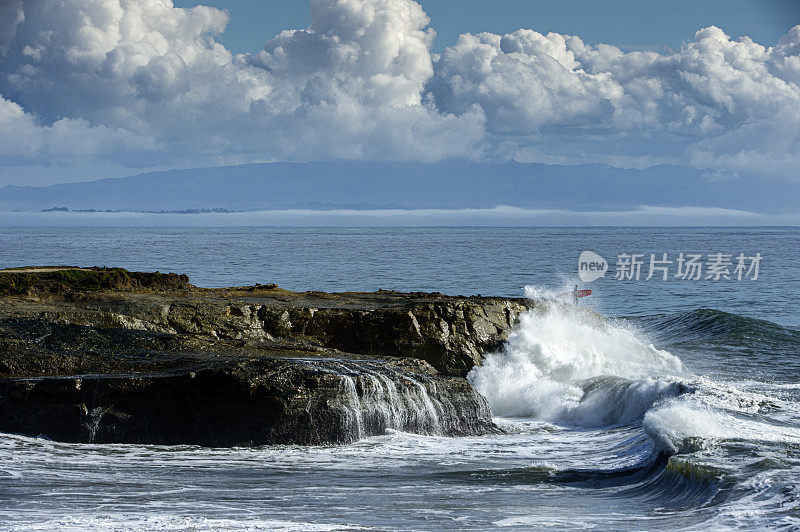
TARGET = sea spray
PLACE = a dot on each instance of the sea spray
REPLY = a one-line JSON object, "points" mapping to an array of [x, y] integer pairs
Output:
{"points": [[569, 364]]}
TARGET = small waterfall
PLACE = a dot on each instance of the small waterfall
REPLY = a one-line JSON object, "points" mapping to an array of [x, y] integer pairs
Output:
{"points": [[428, 413], [93, 418], [373, 400], [351, 405]]}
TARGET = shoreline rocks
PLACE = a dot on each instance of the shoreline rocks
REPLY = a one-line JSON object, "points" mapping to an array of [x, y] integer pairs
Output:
{"points": [[160, 361], [273, 401]]}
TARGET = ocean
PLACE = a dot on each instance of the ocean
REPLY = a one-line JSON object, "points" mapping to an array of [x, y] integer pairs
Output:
{"points": [[653, 404]]}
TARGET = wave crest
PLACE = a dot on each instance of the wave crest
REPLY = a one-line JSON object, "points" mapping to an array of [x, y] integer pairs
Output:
{"points": [[569, 364]]}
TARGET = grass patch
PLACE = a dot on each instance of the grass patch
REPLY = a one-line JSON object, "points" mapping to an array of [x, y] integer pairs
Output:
{"points": [[66, 280]]}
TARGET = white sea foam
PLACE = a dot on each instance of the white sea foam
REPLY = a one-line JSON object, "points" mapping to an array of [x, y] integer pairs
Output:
{"points": [[138, 522], [569, 364], [677, 421]]}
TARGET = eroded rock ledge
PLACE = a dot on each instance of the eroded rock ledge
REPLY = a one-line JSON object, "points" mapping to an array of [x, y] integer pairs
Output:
{"points": [[149, 358]]}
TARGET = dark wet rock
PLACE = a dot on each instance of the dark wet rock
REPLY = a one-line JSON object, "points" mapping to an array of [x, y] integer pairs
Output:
{"points": [[255, 403]]}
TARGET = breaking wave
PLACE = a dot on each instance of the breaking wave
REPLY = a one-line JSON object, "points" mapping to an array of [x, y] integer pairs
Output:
{"points": [[586, 374], [568, 364]]}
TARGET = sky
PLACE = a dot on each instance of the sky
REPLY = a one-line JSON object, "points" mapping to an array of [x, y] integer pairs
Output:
{"points": [[103, 88], [628, 24]]}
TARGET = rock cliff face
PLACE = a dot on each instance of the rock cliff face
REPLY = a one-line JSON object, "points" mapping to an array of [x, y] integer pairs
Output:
{"points": [[261, 402], [157, 360], [451, 335]]}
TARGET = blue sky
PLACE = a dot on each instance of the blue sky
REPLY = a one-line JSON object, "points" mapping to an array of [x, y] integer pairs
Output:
{"points": [[104, 88], [629, 24]]}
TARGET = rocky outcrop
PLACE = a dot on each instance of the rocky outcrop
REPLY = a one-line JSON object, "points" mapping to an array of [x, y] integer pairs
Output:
{"points": [[255, 403], [450, 333], [157, 363]]}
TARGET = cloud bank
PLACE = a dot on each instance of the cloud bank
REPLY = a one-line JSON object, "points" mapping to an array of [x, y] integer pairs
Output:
{"points": [[143, 84], [500, 216]]}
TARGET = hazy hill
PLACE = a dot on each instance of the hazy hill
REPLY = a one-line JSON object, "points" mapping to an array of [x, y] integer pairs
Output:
{"points": [[361, 185]]}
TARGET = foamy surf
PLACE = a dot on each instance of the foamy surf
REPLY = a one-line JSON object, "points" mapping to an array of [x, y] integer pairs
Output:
{"points": [[568, 364], [595, 381]]}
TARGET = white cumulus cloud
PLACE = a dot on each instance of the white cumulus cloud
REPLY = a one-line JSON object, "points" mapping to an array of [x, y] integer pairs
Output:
{"points": [[142, 83], [717, 101]]}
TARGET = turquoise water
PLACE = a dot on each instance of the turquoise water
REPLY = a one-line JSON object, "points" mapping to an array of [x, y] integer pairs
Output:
{"points": [[680, 411]]}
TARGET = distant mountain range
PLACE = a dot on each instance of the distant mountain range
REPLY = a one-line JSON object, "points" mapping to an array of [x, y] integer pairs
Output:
{"points": [[376, 185]]}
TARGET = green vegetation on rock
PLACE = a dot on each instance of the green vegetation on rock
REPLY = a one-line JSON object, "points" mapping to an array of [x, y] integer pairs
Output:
{"points": [[19, 281]]}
